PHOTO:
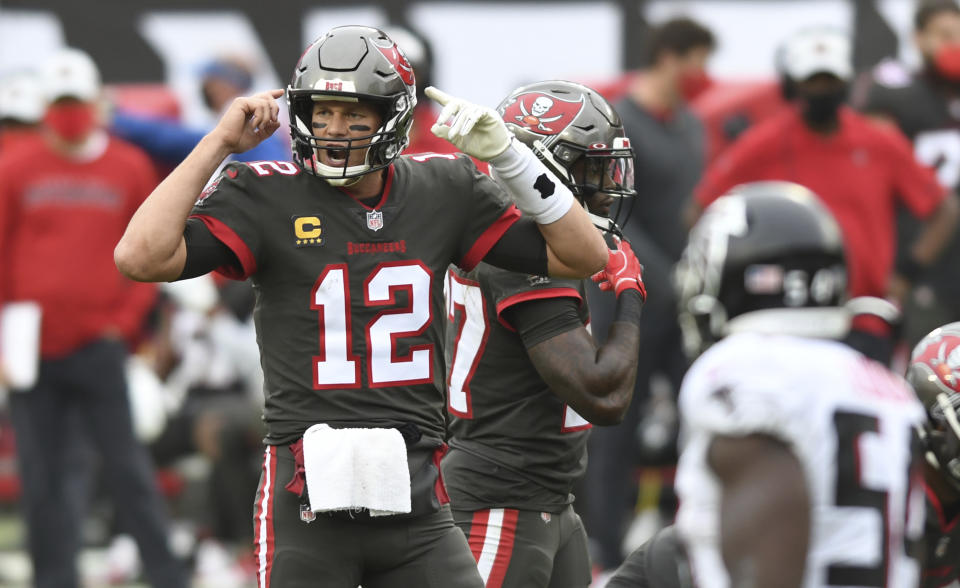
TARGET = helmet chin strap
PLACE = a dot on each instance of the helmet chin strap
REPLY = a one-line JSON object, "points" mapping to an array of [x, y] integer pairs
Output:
{"points": [[330, 173], [603, 223]]}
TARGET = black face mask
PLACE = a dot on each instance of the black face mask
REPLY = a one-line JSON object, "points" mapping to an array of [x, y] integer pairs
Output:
{"points": [[821, 109]]}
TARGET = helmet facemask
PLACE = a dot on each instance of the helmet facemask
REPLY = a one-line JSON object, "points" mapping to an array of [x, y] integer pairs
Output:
{"points": [[941, 437], [597, 168], [698, 277], [360, 65], [382, 146], [934, 373], [607, 174]]}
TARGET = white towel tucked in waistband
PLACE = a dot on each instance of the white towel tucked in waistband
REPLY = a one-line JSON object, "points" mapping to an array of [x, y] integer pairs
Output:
{"points": [[356, 468]]}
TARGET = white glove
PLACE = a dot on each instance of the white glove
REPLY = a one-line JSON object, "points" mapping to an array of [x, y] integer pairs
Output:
{"points": [[476, 130]]}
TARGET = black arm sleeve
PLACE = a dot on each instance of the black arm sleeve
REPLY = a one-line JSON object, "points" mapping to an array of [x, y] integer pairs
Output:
{"points": [[629, 305], [520, 249], [205, 252], [539, 320]]}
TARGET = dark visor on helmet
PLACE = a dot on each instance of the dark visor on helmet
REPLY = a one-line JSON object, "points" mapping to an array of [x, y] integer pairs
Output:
{"points": [[599, 167], [607, 170]]}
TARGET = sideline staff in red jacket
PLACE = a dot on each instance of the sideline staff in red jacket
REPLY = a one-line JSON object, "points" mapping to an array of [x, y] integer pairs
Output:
{"points": [[861, 172], [64, 203]]}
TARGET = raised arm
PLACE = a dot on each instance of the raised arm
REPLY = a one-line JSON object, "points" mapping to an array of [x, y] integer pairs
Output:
{"points": [[572, 244], [574, 247], [597, 382], [152, 248]]}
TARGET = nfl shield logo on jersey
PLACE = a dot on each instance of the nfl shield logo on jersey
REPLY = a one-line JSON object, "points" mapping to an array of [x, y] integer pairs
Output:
{"points": [[374, 220], [306, 513]]}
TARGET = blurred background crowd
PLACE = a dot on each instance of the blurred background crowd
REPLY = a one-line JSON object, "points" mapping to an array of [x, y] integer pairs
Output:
{"points": [[711, 92]]}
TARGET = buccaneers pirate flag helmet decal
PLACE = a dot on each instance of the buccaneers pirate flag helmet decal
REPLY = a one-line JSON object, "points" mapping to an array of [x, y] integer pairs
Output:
{"points": [[542, 113]]}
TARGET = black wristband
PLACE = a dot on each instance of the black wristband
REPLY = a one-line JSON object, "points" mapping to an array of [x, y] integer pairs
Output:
{"points": [[910, 268], [629, 306]]}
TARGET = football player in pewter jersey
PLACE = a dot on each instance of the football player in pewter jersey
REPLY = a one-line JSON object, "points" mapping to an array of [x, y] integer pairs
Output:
{"points": [[347, 247], [526, 379]]}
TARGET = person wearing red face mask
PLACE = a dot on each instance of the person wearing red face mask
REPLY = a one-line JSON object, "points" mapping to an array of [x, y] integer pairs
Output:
{"points": [[862, 173], [70, 121], [669, 145], [64, 203], [925, 106]]}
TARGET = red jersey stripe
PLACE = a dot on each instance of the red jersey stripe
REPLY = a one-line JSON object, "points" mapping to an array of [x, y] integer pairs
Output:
{"points": [[533, 295], [388, 183], [489, 238], [229, 238], [439, 488]]}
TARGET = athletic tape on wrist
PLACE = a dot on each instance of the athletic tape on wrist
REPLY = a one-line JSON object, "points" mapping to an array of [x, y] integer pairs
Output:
{"points": [[537, 192]]}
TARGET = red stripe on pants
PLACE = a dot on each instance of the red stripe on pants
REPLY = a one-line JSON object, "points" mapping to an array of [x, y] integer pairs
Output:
{"points": [[263, 534], [478, 532]]}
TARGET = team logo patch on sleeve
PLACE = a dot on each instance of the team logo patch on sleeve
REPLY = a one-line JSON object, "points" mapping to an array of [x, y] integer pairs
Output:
{"points": [[210, 189], [307, 230]]}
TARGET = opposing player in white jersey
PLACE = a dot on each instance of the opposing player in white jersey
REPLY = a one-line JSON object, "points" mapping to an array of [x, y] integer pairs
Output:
{"points": [[798, 466]]}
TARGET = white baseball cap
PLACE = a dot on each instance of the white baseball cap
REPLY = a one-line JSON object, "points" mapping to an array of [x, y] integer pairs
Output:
{"points": [[70, 73], [21, 98], [814, 51]]}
